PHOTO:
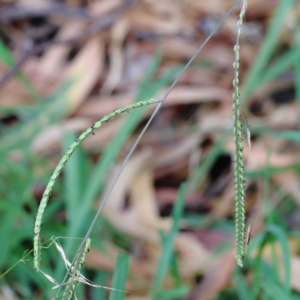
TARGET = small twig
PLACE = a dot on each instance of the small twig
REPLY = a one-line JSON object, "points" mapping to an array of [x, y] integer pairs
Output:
{"points": [[18, 12]]}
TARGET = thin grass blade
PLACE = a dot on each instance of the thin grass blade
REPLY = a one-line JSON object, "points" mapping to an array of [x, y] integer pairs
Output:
{"points": [[120, 277]]}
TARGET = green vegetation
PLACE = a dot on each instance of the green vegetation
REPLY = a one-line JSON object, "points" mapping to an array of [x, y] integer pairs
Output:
{"points": [[84, 180]]}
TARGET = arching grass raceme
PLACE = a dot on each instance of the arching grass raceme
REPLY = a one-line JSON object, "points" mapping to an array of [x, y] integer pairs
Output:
{"points": [[238, 160], [61, 164]]}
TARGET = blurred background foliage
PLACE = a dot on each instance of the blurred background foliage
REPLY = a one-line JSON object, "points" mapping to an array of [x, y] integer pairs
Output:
{"points": [[65, 64]]}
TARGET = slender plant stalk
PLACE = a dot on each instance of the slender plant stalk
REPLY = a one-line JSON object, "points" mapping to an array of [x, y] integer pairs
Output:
{"points": [[61, 164], [238, 161]]}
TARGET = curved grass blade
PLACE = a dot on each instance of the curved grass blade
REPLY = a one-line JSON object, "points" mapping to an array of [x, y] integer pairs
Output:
{"points": [[47, 112], [166, 256], [7, 58], [280, 235], [242, 288], [259, 242]]}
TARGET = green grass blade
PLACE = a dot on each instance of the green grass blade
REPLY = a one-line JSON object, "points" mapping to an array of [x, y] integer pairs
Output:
{"points": [[296, 44], [100, 279], [274, 290], [242, 289], [255, 74], [19, 110], [75, 177], [280, 66], [7, 229], [200, 173], [291, 135], [167, 252], [8, 60], [259, 242], [281, 236], [120, 277], [178, 292], [174, 270], [153, 67], [21, 134], [267, 185], [5, 55], [273, 170], [275, 262]]}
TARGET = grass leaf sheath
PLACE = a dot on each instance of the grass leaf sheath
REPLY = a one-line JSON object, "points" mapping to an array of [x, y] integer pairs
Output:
{"points": [[238, 151], [61, 164]]}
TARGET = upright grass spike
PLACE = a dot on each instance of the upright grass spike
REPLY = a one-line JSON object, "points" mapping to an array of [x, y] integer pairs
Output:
{"points": [[61, 164], [238, 160], [75, 272]]}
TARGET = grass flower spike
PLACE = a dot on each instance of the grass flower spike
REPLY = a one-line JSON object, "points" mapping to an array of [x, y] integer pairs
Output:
{"points": [[238, 160], [61, 164]]}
